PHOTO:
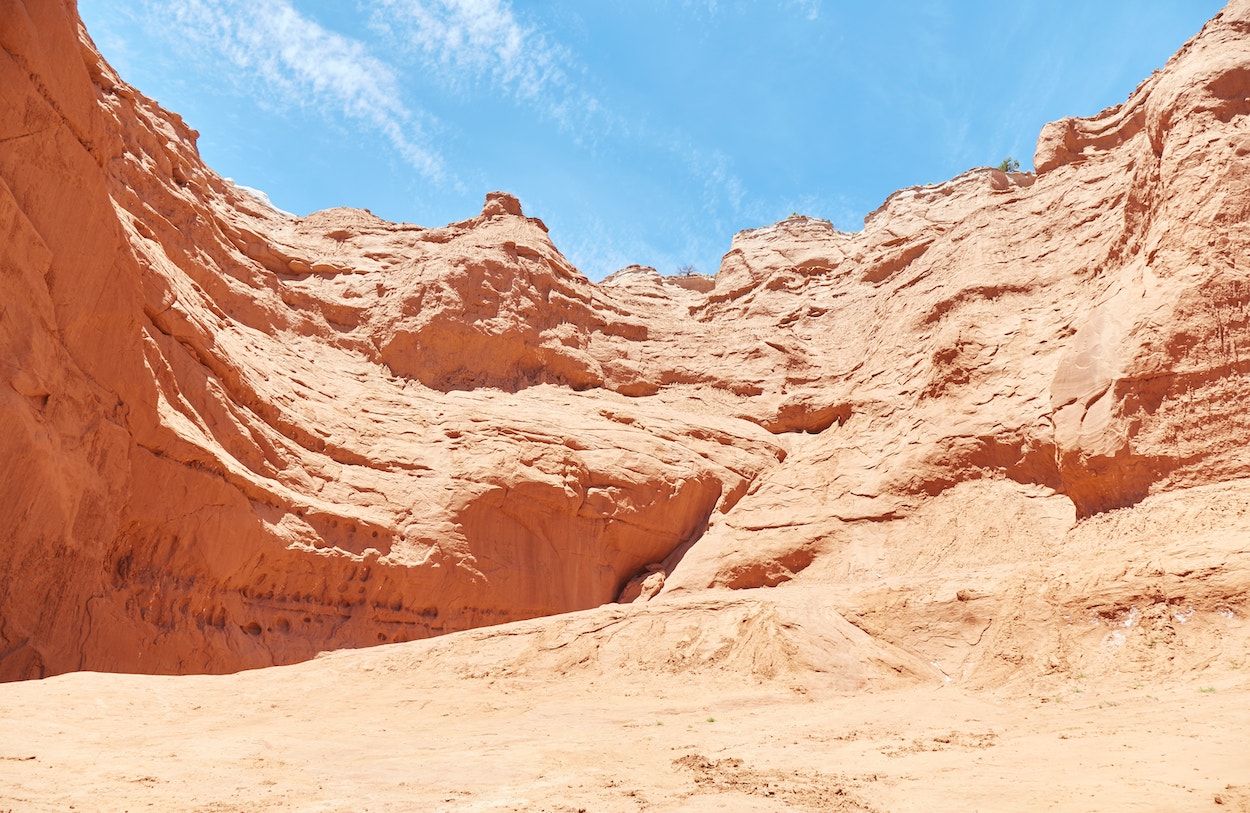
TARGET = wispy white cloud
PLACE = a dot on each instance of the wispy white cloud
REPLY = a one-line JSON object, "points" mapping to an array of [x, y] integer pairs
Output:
{"points": [[467, 41], [293, 57], [469, 37], [722, 188], [808, 8], [710, 6]]}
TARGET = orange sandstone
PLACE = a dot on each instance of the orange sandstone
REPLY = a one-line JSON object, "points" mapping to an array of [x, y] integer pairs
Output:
{"points": [[235, 438]]}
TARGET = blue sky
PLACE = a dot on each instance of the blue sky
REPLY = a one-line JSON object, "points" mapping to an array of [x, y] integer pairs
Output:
{"points": [[644, 132]]}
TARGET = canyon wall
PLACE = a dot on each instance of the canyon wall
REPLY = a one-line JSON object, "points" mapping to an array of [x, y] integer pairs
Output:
{"points": [[233, 437]]}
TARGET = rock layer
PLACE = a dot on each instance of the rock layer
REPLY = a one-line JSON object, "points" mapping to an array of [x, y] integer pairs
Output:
{"points": [[235, 438]]}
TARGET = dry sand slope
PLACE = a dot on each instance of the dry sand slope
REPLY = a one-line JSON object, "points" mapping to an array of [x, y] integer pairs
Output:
{"points": [[708, 704], [949, 513]]}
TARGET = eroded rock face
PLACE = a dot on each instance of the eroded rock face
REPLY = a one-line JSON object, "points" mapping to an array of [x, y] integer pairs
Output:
{"points": [[235, 438]]}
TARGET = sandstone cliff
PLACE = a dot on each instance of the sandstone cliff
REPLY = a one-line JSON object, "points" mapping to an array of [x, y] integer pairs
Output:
{"points": [[234, 438]]}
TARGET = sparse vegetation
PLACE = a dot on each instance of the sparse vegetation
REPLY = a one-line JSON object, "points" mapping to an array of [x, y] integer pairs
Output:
{"points": [[686, 270], [1009, 164], [1207, 689]]}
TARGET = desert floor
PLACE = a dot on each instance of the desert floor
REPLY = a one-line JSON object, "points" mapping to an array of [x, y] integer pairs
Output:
{"points": [[461, 723]]}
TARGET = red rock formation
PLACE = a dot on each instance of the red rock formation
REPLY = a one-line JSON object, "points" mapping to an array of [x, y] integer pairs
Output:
{"points": [[235, 438]]}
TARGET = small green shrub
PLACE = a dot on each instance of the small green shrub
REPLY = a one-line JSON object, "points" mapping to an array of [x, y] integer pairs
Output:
{"points": [[1009, 164]]}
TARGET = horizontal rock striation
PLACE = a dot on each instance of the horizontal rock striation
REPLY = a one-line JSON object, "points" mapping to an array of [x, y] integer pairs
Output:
{"points": [[235, 437]]}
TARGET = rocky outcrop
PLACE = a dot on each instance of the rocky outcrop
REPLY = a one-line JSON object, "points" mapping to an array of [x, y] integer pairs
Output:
{"points": [[235, 437]]}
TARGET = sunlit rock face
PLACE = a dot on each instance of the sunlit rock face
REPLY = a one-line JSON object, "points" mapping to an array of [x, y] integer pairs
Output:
{"points": [[232, 437]]}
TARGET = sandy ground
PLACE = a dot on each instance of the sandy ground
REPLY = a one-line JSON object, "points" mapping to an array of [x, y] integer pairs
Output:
{"points": [[460, 724]]}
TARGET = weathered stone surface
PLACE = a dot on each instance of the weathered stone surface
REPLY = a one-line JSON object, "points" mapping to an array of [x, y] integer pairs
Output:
{"points": [[234, 438]]}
